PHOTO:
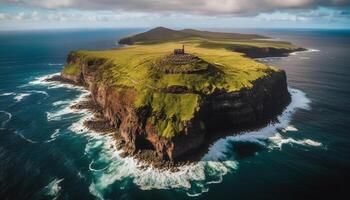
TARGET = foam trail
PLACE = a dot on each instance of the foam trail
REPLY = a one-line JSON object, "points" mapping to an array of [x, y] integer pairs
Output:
{"points": [[38, 92], [24, 138], [278, 141], [55, 64], [54, 188], [268, 134], [92, 169], [7, 94], [58, 103], [51, 84], [53, 136], [290, 128], [57, 115], [307, 51], [19, 97], [9, 117], [193, 179]]}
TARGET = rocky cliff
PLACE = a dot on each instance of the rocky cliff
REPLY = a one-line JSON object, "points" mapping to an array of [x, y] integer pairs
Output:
{"points": [[137, 125]]}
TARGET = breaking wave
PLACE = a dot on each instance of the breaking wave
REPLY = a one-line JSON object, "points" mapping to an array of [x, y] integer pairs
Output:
{"points": [[67, 110], [306, 51], [7, 94], [51, 84], [108, 167], [19, 97], [53, 136], [268, 136], [53, 188]]}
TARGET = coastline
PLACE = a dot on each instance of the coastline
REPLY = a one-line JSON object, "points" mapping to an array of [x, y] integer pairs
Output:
{"points": [[101, 125]]}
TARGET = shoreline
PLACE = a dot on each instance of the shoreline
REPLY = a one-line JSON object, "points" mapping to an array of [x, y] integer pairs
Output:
{"points": [[100, 125]]}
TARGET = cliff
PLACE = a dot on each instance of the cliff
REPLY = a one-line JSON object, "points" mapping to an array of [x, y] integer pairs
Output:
{"points": [[173, 105]]}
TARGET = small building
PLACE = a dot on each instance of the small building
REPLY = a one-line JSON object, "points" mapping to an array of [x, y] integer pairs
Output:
{"points": [[180, 51]]}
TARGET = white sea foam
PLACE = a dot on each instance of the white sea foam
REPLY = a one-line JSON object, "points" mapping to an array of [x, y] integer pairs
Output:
{"points": [[59, 103], [290, 128], [38, 92], [267, 136], [51, 84], [307, 51], [54, 188], [7, 94], [53, 136], [278, 141], [55, 64], [25, 138], [194, 179], [42, 80], [58, 114], [20, 96], [4, 122]]}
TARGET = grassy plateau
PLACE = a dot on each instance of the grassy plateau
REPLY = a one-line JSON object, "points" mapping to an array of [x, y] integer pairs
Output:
{"points": [[133, 67]]}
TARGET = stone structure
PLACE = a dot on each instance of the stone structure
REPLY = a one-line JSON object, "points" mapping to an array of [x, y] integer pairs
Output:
{"points": [[180, 51]]}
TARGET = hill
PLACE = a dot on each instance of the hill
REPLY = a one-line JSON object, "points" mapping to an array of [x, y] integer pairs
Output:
{"points": [[252, 45]]}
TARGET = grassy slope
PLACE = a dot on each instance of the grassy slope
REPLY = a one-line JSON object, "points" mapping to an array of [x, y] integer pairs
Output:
{"points": [[131, 67]]}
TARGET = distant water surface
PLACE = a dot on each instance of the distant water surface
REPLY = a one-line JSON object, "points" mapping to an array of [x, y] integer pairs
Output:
{"points": [[46, 153]]}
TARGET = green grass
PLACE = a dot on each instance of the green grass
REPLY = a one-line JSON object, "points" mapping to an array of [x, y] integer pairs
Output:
{"points": [[72, 69], [132, 67]]}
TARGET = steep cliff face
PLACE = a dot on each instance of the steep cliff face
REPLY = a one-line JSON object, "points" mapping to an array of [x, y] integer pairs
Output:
{"points": [[262, 52], [263, 101]]}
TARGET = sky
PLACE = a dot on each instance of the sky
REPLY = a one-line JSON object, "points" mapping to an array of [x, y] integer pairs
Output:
{"points": [[56, 14]]}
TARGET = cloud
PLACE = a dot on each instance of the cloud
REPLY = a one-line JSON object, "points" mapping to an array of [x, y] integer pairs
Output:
{"points": [[200, 7]]}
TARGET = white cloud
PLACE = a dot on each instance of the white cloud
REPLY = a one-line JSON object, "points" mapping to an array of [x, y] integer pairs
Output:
{"points": [[203, 7]]}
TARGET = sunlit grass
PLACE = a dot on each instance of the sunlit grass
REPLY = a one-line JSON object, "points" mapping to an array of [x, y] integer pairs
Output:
{"points": [[132, 67]]}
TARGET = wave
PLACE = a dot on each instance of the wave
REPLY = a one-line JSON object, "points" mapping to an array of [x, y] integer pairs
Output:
{"points": [[55, 64], [52, 84], [20, 96], [53, 188], [290, 128], [53, 136], [57, 115], [193, 179], [39, 92], [4, 122], [93, 169], [7, 94], [42, 80], [59, 103], [24, 138], [278, 141], [267, 136], [306, 51]]}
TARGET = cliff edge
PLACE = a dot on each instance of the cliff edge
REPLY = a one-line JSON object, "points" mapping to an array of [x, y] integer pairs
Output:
{"points": [[173, 104]]}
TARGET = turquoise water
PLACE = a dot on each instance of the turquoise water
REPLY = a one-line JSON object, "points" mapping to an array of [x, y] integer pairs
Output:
{"points": [[46, 153]]}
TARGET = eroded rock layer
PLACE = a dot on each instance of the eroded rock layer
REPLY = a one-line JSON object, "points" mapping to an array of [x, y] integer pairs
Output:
{"points": [[220, 109]]}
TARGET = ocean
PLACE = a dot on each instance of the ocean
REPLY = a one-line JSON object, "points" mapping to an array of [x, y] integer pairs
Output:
{"points": [[46, 153]]}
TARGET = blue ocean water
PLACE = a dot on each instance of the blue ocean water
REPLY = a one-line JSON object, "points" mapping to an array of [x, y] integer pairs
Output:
{"points": [[46, 153]]}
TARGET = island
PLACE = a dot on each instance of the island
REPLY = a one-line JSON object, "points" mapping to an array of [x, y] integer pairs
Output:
{"points": [[166, 95]]}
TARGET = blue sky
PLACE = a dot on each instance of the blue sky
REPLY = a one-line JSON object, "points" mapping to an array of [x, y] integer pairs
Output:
{"points": [[49, 14]]}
